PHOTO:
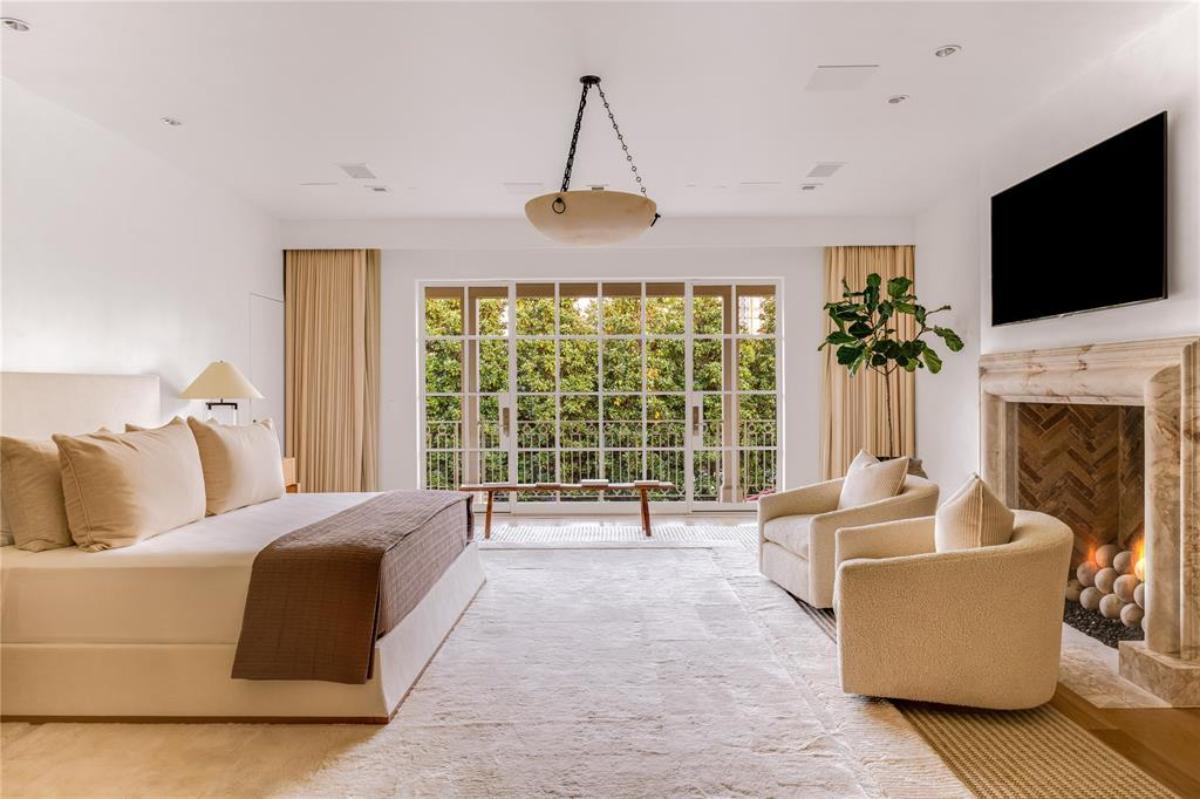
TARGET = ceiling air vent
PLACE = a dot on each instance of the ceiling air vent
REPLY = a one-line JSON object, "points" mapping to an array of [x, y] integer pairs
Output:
{"points": [[840, 77], [825, 169], [357, 171]]}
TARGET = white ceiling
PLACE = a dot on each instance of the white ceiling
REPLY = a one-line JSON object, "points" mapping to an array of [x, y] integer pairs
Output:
{"points": [[446, 102]]}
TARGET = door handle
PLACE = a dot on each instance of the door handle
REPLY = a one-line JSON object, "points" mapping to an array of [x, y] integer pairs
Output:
{"points": [[504, 421], [695, 420]]}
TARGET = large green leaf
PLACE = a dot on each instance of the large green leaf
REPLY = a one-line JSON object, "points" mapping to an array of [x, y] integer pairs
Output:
{"points": [[873, 280], [848, 354], [839, 337], [861, 330], [953, 342], [898, 286], [933, 361]]}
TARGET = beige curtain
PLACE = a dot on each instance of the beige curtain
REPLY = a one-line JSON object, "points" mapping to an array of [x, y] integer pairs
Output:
{"points": [[331, 362], [854, 412]]}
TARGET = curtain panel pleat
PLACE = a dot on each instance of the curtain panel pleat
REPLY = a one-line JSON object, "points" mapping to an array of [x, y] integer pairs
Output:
{"points": [[854, 409], [331, 367]]}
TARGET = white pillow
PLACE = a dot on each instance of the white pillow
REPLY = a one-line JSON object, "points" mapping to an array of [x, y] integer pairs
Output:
{"points": [[861, 461], [873, 482], [973, 517]]}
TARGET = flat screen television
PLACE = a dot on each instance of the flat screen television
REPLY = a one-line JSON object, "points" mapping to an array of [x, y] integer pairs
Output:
{"points": [[1090, 232]]}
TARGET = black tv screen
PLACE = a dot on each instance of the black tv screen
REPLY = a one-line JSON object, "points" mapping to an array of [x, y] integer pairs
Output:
{"points": [[1090, 232]]}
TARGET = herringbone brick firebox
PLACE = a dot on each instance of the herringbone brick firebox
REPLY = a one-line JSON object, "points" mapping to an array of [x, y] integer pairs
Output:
{"points": [[1084, 464]]}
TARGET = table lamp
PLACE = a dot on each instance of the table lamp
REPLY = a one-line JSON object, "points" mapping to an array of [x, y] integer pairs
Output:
{"points": [[220, 382]]}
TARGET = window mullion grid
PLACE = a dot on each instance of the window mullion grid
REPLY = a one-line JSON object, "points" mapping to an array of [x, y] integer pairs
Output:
{"points": [[689, 336], [558, 474], [645, 343]]}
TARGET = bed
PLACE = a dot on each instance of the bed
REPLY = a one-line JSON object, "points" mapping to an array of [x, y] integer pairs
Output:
{"points": [[150, 632]]}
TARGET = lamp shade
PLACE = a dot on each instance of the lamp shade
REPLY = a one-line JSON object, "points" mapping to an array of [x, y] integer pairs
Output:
{"points": [[221, 380], [592, 216]]}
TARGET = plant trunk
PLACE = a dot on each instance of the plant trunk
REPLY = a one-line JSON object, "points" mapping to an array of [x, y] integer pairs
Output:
{"points": [[887, 395]]}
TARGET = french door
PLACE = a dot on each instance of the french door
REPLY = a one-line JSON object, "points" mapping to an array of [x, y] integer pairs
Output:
{"points": [[557, 382]]}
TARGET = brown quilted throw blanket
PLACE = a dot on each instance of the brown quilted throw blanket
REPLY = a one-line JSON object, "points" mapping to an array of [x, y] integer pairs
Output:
{"points": [[320, 596]]}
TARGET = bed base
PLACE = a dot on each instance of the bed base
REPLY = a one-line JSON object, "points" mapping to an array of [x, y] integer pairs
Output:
{"points": [[175, 683]]}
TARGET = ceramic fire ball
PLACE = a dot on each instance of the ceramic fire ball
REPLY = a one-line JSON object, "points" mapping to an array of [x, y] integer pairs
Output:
{"points": [[1086, 574], [1105, 555], [1110, 606], [1124, 587], [1123, 562], [1105, 579]]}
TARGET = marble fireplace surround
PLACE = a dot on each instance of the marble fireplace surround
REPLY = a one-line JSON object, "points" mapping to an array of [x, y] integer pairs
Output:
{"points": [[1162, 376]]}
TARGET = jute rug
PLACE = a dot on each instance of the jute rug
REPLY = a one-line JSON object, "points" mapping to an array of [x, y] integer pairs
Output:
{"points": [[1026, 754], [637, 671]]}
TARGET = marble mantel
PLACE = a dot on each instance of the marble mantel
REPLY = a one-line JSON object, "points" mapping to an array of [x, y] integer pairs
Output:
{"points": [[1162, 376]]}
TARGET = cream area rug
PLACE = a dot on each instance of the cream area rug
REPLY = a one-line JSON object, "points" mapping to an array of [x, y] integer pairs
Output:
{"points": [[609, 671]]}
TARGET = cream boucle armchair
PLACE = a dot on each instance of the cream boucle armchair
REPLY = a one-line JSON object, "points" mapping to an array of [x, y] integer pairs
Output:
{"points": [[980, 627], [796, 530]]}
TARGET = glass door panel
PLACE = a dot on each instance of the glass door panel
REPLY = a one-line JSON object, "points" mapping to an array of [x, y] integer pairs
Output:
{"points": [[562, 382]]}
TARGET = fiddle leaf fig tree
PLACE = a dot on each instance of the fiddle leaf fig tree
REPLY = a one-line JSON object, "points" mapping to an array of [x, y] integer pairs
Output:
{"points": [[867, 337]]}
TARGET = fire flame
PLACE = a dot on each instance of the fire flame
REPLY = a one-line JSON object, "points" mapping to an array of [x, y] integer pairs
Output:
{"points": [[1139, 559]]}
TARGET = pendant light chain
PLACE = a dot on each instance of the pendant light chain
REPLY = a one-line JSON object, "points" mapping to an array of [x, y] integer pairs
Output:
{"points": [[620, 138], [566, 181]]}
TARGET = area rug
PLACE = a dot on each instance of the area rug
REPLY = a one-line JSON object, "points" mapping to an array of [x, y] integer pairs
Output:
{"points": [[609, 672], [1019, 754]]}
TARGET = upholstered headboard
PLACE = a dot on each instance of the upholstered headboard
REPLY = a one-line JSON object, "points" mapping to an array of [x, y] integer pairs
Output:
{"points": [[39, 404]]}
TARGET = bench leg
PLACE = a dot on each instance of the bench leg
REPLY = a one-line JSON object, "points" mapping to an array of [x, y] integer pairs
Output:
{"points": [[487, 516], [645, 512]]}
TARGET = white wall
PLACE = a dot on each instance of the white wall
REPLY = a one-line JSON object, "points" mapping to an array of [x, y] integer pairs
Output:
{"points": [[799, 268], [947, 269], [116, 262], [1156, 71]]}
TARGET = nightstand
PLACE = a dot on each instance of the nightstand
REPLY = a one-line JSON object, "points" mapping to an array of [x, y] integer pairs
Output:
{"points": [[290, 484]]}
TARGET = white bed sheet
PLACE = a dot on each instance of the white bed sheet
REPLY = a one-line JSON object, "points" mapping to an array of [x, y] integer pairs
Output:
{"points": [[187, 585]]}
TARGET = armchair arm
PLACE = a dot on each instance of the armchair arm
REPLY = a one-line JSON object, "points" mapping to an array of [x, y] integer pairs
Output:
{"points": [[979, 627], [810, 499], [822, 541], [885, 540]]}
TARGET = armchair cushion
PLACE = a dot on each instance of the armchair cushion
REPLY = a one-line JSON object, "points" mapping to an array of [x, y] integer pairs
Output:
{"points": [[790, 532], [973, 517], [872, 483]]}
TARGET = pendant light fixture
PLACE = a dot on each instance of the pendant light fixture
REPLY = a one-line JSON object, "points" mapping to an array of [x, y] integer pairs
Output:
{"points": [[593, 216]]}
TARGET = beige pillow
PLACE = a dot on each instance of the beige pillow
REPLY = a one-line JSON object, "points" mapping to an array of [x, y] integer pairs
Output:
{"points": [[861, 461], [31, 487], [974, 517], [121, 488], [242, 463], [872, 483]]}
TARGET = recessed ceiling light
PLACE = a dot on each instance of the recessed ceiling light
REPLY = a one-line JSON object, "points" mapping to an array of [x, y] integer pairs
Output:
{"points": [[809, 186], [378, 189], [319, 183], [896, 99], [14, 24], [171, 122], [947, 50]]}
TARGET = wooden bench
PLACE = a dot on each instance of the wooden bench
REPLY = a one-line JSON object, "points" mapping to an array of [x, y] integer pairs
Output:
{"points": [[491, 489]]}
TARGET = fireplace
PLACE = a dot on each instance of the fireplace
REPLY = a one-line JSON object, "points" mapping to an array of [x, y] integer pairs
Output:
{"points": [[1085, 465], [1045, 397]]}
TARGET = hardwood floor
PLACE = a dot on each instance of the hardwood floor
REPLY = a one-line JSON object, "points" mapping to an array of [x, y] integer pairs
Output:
{"points": [[1164, 742]]}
